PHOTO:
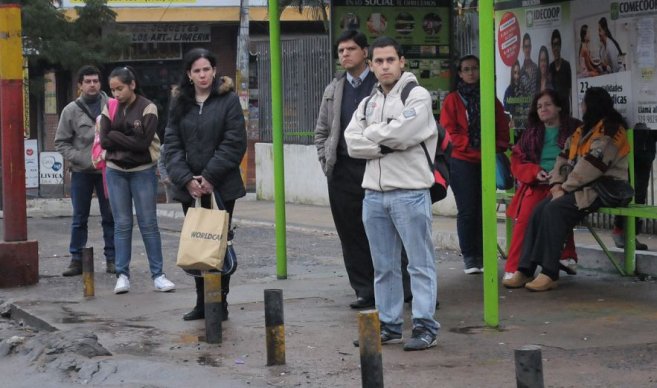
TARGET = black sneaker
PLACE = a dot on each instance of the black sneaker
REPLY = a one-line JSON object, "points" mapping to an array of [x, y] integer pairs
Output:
{"points": [[386, 338], [422, 339]]}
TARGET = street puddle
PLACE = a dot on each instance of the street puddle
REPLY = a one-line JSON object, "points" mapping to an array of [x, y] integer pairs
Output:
{"points": [[188, 339], [473, 329], [208, 360]]}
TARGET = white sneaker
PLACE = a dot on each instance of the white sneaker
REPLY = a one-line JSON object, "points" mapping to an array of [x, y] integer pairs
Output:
{"points": [[163, 284], [507, 275], [122, 285], [473, 270]]}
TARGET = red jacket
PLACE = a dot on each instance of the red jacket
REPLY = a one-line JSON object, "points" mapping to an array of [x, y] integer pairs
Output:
{"points": [[525, 172], [454, 119]]}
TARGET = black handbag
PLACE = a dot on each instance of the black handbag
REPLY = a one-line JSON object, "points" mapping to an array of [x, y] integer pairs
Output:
{"points": [[613, 192]]}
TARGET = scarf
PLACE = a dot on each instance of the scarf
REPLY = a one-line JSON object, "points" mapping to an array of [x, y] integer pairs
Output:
{"points": [[470, 95]]}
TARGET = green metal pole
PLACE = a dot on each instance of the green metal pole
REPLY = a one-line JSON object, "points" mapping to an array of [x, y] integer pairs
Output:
{"points": [[630, 222], [277, 137], [489, 216]]}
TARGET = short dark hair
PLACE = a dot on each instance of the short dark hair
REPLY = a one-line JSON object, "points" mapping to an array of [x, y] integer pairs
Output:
{"points": [[555, 35], [87, 70], [358, 37], [526, 37], [385, 41]]}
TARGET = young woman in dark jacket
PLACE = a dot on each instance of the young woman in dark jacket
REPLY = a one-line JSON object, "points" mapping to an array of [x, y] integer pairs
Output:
{"points": [[549, 125], [132, 149], [205, 142]]}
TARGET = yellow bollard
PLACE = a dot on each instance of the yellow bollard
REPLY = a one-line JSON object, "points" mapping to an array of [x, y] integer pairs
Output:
{"points": [[88, 271], [369, 341], [213, 311], [275, 327]]}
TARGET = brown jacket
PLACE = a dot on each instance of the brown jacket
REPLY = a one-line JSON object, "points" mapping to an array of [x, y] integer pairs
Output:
{"points": [[586, 158]]}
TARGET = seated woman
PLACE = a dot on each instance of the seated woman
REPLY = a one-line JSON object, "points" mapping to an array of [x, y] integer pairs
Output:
{"points": [[598, 148], [549, 125]]}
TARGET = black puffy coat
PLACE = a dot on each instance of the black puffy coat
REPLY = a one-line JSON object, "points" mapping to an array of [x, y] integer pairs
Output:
{"points": [[208, 141]]}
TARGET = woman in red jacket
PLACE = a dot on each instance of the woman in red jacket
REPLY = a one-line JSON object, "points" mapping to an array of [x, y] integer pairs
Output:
{"points": [[549, 125], [461, 117]]}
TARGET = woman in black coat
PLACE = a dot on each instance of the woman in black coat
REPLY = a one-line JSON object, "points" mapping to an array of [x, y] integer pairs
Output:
{"points": [[205, 142]]}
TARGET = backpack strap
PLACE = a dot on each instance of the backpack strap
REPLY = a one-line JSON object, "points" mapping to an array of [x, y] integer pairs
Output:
{"points": [[367, 101], [426, 153], [407, 90], [85, 110], [404, 94]]}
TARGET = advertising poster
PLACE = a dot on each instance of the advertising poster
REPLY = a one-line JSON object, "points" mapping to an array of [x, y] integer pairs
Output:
{"points": [[616, 41], [535, 51], [51, 168], [421, 27], [31, 164]]}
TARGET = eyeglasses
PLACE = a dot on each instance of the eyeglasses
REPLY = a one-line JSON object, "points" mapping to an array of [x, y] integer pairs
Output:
{"points": [[469, 69]]}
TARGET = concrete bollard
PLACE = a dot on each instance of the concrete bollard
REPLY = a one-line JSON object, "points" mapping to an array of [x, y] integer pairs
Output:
{"points": [[275, 327], [88, 271], [213, 311], [369, 343], [529, 367]]}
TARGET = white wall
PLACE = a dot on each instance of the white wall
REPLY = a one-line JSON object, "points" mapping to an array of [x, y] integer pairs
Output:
{"points": [[305, 182]]}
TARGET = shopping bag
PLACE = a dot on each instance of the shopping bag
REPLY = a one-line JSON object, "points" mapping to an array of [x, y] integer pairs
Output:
{"points": [[203, 239]]}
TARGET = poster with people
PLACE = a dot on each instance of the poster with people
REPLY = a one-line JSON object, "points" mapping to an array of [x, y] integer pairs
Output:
{"points": [[605, 43], [421, 29], [602, 54], [616, 42], [534, 52]]}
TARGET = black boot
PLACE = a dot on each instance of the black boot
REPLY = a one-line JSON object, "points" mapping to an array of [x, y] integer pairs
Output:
{"points": [[198, 312], [225, 288], [74, 269]]}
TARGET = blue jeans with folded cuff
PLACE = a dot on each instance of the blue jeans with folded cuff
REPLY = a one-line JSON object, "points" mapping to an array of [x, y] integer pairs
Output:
{"points": [[83, 185], [393, 218], [139, 187]]}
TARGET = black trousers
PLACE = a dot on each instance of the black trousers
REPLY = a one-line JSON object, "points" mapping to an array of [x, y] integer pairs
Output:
{"points": [[346, 200], [225, 279], [546, 234]]}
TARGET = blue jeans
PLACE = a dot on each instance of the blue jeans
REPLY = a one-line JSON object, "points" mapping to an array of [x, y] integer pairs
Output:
{"points": [[83, 185], [139, 187], [393, 218], [466, 185]]}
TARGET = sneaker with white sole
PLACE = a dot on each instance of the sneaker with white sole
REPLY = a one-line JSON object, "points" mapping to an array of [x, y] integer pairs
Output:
{"points": [[387, 337], [163, 284], [473, 270], [420, 340], [122, 284]]}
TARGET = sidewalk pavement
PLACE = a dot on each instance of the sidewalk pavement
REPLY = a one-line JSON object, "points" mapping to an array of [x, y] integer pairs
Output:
{"points": [[596, 330], [309, 217]]}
